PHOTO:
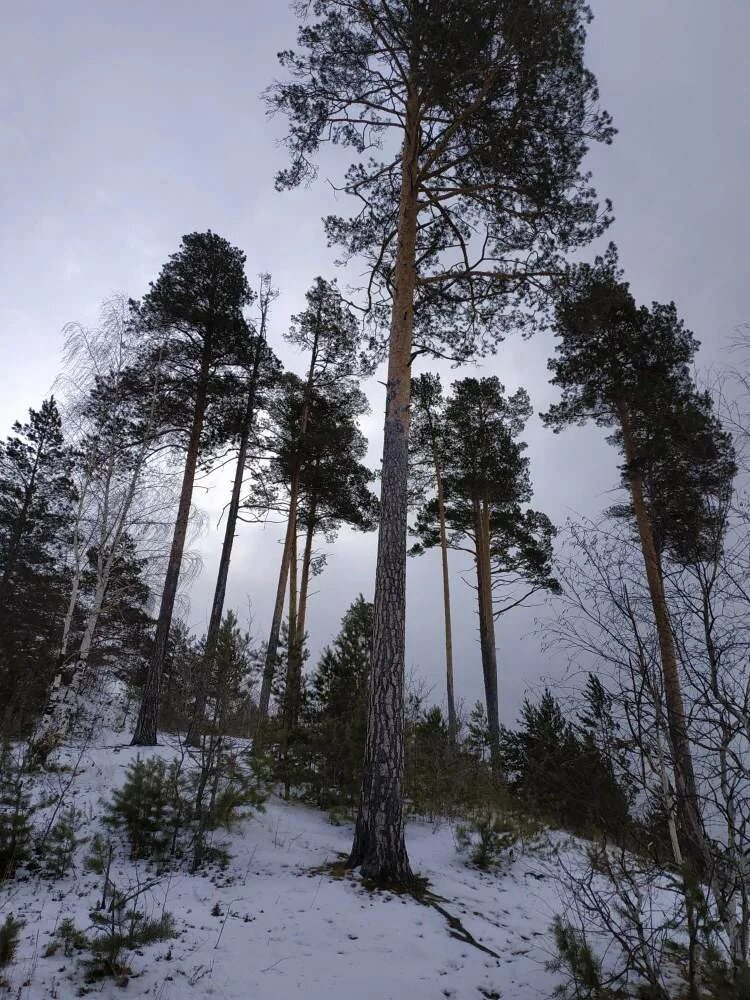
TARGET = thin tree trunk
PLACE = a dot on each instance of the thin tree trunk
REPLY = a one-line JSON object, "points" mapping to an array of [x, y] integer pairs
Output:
{"points": [[379, 847], [289, 679], [278, 611], [230, 530], [292, 628], [685, 784], [148, 715], [76, 582], [294, 663], [305, 579], [452, 722], [291, 533], [487, 632], [63, 702]]}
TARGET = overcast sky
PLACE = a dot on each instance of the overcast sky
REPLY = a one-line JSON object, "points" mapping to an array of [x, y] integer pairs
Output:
{"points": [[124, 125]]}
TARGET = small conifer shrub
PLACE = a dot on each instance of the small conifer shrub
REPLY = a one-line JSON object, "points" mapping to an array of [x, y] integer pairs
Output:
{"points": [[152, 806], [10, 932], [15, 814], [59, 847]]}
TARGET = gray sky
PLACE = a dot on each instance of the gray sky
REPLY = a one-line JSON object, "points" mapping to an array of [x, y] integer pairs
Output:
{"points": [[124, 125]]}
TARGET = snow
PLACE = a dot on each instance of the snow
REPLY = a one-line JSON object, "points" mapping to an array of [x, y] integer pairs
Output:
{"points": [[285, 928]]}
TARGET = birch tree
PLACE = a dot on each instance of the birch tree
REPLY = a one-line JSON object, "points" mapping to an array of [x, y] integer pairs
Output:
{"points": [[121, 496], [469, 120]]}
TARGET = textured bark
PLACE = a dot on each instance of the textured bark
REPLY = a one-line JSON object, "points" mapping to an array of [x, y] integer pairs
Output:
{"points": [[487, 630], [379, 848], [452, 721], [292, 629], [682, 760], [148, 715]]}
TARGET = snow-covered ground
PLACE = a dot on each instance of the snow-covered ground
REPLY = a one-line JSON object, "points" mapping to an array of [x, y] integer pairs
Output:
{"points": [[271, 925]]}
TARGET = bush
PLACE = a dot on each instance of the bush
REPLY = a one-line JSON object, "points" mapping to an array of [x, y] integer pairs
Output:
{"points": [[15, 814], [10, 932], [558, 770], [122, 927], [99, 857], [582, 968], [165, 810], [60, 845], [491, 836], [152, 806], [117, 926]]}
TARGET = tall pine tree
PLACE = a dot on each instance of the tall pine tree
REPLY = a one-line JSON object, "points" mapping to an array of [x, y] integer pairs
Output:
{"points": [[487, 486], [192, 320], [628, 368], [486, 110]]}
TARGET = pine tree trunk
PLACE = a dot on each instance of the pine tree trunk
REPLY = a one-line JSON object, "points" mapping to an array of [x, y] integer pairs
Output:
{"points": [[304, 585], [290, 680], [278, 610], [291, 537], [685, 784], [452, 721], [230, 530], [148, 715], [379, 848], [297, 638], [487, 632]]}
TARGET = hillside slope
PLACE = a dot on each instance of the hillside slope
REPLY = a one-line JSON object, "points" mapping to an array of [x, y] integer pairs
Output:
{"points": [[270, 925]]}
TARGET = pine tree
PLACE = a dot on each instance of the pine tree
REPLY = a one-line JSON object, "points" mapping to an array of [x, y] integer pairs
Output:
{"points": [[258, 373], [561, 772], [323, 471], [339, 707], [486, 485], [194, 313], [36, 502], [427, 450], [490, 109], [328, 332], [628, 368]]}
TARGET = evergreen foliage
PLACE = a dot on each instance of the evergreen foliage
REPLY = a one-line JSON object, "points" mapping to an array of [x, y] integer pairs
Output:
{"points": [[36, 498], [59, 847], [559, 772], [10, 933], [194, 329], [15, 812], [152, 806]]}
